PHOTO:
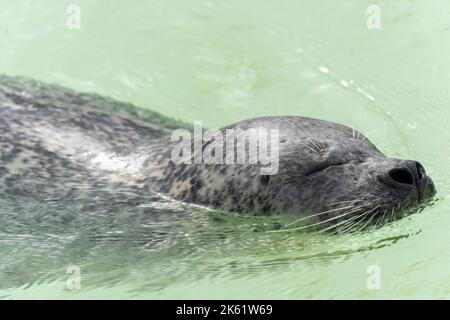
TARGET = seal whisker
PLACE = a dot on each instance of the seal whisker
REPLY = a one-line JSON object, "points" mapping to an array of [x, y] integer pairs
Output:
{"points": [[309, 147], [338, 224], [332, 210], [377, 222], [368, 221], [350, 226], [356, 200], [345, 201], [317, 223], [320, 213], [373, 215], [352, 223], [391, 216], [382, 218], [361, 142], [362, 216], [298, 128]]}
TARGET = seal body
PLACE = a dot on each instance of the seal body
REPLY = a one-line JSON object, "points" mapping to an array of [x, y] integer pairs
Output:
{"points": [[71, 153], [59, 144]]}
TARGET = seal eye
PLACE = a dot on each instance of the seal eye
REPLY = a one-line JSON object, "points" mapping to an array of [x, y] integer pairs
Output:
{"points": [[325, 165]]}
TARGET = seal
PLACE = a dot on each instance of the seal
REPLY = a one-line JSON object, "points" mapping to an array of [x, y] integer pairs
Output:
{"points": [[56, 143]]}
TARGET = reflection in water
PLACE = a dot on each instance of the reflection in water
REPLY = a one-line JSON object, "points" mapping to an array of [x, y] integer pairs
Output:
{"points": [[154, 242]]}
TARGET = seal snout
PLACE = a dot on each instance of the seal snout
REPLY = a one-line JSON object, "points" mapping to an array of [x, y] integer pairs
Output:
{"points": [[408, 175]]}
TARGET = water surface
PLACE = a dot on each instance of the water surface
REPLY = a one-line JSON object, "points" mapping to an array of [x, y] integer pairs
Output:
{"points": [[221, 62]]}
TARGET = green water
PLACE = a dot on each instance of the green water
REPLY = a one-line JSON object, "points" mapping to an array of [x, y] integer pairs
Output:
{"points": [[220, 62]]}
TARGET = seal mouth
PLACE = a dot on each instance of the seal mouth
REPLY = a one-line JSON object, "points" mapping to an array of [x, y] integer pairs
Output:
{"points": [[410, 190]]}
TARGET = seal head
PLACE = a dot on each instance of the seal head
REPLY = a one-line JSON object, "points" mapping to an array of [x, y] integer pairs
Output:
{"points": [[328, 172]]}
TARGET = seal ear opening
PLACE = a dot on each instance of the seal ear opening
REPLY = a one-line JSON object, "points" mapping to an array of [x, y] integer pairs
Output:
{"points": [[265, 179]]}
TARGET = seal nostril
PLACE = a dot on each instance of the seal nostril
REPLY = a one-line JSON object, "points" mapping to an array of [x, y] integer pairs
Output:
{"points": [[402, 175], [420, 170]]}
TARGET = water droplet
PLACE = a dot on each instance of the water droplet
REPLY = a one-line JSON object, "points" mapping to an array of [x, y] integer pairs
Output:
{"points": [[323, 69], [344, 83]]}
